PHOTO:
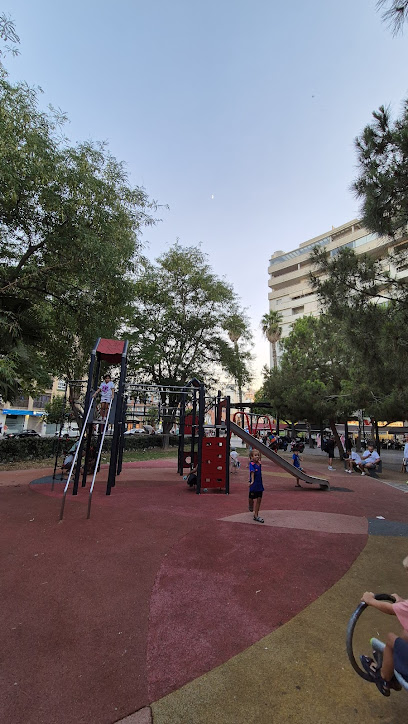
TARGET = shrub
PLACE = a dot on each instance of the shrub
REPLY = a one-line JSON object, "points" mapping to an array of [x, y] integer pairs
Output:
{"points": [[15, 449]]}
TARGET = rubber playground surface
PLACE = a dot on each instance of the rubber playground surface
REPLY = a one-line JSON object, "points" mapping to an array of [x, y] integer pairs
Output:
{"points": [[174, 608]]}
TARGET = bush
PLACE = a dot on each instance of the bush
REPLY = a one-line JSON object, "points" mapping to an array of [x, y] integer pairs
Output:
{"points": [[27, 448], [16, 449]]}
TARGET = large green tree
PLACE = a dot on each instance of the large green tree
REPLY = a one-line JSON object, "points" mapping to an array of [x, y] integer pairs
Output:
{"points": [[311, 383], [181, 316], [69, 242], [382, 182], [369, 302]]}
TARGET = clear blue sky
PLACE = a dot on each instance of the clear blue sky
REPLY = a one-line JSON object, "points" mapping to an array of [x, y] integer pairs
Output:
{"points": [[252, 102]]}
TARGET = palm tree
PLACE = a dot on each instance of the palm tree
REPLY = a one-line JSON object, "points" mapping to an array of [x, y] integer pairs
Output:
{"points": [[270, 328], [236, 327]]}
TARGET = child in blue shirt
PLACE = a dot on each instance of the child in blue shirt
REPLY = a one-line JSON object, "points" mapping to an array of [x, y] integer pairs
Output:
{"points": [[297, 460], [256, 487]]}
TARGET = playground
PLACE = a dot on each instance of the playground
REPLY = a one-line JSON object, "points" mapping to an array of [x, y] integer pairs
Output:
{"points": [[170, 604], [166, 606]]}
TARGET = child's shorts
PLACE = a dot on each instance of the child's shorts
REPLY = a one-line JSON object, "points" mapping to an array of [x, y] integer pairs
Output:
{"points": [[255, 494], [401, 657]]}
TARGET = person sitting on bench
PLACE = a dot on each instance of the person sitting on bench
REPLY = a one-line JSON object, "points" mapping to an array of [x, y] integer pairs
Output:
{"points": [[352, 462], [370, 460]]}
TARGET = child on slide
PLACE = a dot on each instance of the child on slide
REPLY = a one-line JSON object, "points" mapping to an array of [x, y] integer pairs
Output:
{"points": [[395, 655], [256, 487]]}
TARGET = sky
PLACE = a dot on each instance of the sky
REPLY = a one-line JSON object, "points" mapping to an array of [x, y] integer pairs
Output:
{"points": [[240, 115]]}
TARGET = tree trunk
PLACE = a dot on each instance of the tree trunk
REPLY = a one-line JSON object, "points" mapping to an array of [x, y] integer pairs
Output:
{"points": [[274, 355], [337, 440], [77, 411], [358, 441], [309, 433], [377, 437]]}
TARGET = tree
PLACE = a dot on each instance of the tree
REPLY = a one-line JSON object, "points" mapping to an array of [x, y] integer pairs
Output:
{"points": [[311, 382], [56, 410], [271, 329], [8, 34], [181, 313], [237, 327], [382, 184], [69, 243], [370, 303], [396, 13]]}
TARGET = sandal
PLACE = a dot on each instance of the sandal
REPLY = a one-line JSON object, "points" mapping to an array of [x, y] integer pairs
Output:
{"points": [[383, 686], [258, 519], [370, 667], [393, 683]]}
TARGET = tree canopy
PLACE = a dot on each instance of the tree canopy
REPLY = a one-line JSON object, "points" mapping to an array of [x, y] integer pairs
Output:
{"points": [[369, 301], [382, 183], [309, 385], [69, 242], [181, 313]]}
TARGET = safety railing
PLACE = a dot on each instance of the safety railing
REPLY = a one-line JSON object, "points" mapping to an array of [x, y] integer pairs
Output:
{"points": [[74, 460], [97, 461]]}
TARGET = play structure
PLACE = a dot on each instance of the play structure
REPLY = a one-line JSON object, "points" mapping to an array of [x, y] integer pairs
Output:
{"points": [[377, 645], [253, 422], [203, 425], [114, 352], [277, 459]]}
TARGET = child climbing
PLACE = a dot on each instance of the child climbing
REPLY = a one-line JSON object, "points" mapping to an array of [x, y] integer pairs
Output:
{"points": [[107, 390]]}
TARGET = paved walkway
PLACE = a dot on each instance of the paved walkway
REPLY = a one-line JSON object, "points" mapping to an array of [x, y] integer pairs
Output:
{"points": [[168, 607]]}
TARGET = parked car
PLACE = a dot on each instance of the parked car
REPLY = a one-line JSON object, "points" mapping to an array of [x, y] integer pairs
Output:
{"points": [[136, 431], [23, 433]]}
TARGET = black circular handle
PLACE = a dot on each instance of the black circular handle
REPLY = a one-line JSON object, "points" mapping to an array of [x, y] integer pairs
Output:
{"points": [[350, 631]]}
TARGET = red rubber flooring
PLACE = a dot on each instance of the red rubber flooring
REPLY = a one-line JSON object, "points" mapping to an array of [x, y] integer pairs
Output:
{"points": [[102, 617]]}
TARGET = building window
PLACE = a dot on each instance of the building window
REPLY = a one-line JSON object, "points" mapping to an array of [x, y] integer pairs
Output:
{"points": [[20, 401], [41, 401], [298, 310]]}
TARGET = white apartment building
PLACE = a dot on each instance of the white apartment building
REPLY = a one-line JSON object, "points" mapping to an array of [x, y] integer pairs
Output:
{"points": [[290, 292]]}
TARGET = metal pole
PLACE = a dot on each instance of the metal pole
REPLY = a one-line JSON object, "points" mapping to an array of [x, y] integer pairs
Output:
{"points": [[193, 429], [86, 407], [201, 402], [181, 434], [122, 438], [117, 422], [227, 444], [60, 436]]}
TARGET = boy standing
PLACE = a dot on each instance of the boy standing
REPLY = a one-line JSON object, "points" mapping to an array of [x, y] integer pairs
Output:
{"points": [[256, 487]]}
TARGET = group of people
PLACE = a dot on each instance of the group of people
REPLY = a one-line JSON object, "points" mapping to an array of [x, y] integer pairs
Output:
{"points": [[368, 461], [365, 463]]}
